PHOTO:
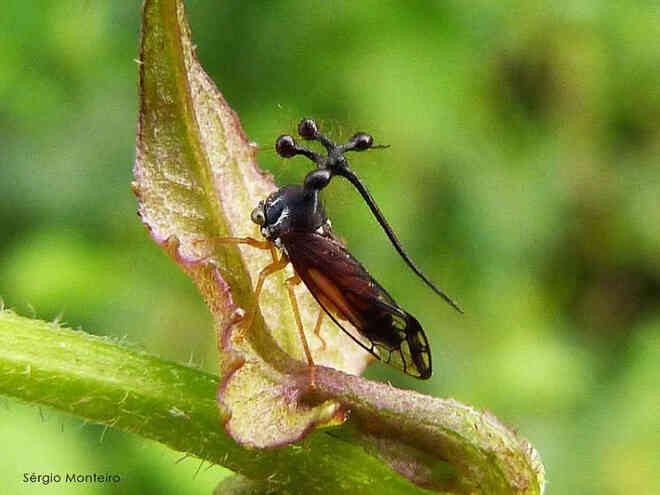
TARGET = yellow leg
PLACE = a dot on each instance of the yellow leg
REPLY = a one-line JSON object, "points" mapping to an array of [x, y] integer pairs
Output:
{"points": [[275, 266], [317, 328], [268, 270], [290, 284], [250, 241]]}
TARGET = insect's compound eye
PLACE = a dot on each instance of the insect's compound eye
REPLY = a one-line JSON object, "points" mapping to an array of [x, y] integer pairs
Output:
{"points": [[307, 129], [258, 216], [362, 141], [285, 146]]}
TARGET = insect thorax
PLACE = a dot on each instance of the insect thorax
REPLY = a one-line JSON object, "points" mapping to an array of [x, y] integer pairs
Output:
{"points": [[289, 209]]}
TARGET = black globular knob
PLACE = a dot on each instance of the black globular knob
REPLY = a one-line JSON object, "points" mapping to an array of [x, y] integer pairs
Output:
{"points": [[318, 179], [362, 141], [308, 129], [285, 146]]}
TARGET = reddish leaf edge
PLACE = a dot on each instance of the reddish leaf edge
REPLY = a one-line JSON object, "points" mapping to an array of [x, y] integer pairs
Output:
{"points": [[363, 398]]}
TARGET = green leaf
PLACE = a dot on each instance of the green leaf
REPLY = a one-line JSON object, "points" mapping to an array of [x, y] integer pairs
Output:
{"points": [[103, 382], [196, 178]]}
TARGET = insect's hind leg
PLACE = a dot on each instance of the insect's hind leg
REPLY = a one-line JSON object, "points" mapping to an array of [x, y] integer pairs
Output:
{"points": [[317, 328], [290, 284]]}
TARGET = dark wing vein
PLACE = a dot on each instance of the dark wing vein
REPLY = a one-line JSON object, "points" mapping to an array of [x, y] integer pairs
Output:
{"points": [[345, 290], [370, 350]]}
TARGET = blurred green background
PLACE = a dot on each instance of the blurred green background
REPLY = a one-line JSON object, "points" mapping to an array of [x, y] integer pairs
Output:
{"points": [[523, 177]]}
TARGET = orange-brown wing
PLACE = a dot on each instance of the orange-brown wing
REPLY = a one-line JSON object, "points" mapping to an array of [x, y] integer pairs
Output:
{"points": [[346, 291]]}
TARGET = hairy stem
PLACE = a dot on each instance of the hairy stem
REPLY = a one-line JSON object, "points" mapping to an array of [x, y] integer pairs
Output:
{"points": [[103, 382]]}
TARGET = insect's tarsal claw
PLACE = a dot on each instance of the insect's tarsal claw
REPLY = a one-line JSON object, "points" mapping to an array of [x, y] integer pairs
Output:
{"points": [[312, 375]]}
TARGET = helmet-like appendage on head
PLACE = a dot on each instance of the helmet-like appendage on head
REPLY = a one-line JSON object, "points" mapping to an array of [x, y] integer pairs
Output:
{"points": [[293, 208], [335, 163]]}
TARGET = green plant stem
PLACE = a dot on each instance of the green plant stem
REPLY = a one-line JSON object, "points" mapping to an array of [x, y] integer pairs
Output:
{"points": [[103, 382], [240, 485]]}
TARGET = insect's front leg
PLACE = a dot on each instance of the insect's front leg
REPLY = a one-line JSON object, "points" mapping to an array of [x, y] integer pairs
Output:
{"points": [[250, 241]]}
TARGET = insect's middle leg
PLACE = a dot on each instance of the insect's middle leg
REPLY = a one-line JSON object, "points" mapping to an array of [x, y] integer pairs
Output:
{"points": [[290, 284], [273, 267]]}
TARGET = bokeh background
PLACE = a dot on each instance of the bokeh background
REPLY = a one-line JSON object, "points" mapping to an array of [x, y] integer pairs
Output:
{"points": [[523, 176]]}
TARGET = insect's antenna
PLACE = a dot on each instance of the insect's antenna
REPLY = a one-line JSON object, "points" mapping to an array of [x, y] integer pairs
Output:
{"points": [[362, 189]]}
